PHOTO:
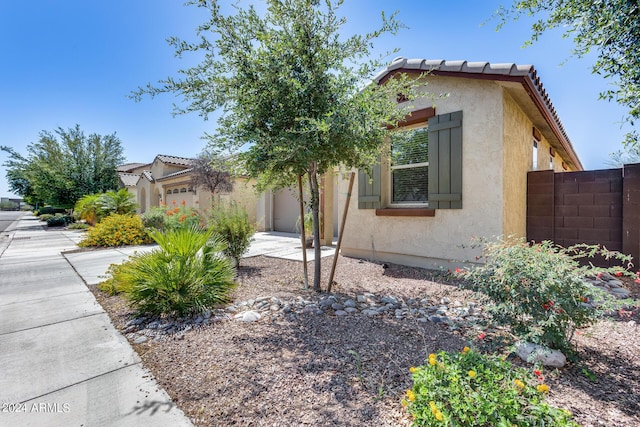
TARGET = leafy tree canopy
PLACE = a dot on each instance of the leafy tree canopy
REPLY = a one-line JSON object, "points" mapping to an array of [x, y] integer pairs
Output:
{"points": [[611, 28], [63, 166], [296, 94]]}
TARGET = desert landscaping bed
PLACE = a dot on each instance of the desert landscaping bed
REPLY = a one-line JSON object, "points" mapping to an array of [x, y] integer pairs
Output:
{"points": [[300, 367]]}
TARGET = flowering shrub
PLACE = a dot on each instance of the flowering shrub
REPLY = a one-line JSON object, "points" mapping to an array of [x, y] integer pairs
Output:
{"points": [[117, 230], [172, 217], [539, 290], [471, 389], [186, 275]]}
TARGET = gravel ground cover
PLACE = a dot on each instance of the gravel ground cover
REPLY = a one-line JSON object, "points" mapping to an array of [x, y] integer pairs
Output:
{"points": [[300, 368]]}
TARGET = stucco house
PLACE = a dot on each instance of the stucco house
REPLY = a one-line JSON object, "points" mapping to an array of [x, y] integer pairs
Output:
{"points": [[458, 166], [168, 179]]}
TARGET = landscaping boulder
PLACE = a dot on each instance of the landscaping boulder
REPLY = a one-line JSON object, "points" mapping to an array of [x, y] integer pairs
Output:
{"points": [[534, 353]]}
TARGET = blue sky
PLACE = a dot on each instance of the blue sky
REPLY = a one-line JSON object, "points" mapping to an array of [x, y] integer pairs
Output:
{"points": [[67, 62]]}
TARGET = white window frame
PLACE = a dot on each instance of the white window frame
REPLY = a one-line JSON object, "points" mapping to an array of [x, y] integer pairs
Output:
{"points": [[409, 166], [534, 161]]}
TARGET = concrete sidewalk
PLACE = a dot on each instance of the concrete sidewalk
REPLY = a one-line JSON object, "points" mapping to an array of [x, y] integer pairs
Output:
{"points": [[63, 362]]}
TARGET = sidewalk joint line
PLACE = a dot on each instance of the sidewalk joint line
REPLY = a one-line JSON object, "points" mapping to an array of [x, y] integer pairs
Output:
{"points": [[54, 323], [88, 379]]}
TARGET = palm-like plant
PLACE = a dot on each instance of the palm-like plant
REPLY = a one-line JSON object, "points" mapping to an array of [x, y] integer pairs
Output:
{"points": [[87, 208], [186, 275], [118, 202]]}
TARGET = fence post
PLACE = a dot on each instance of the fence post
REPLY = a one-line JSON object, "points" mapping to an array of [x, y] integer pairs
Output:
{"points": [[631, 212]]}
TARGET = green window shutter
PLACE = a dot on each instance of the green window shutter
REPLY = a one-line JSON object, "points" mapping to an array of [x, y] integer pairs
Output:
{"points": [[445, 161], [369, 188]]}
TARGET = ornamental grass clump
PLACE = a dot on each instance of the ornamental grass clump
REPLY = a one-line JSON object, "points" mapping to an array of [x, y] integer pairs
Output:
{"points": [[186, 275], [470, 389], [117, 230], [539, 290], [233, 225]]}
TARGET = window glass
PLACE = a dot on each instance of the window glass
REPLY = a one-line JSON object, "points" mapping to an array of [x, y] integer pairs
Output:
{"points": [[534, 164], [410, 166]]}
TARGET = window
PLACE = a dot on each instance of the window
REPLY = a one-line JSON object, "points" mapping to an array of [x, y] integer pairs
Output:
{"points": [[534, 164], [410, 167], [168, 191], [550, 162], [175, 191], [183, 190], [425, 170]]}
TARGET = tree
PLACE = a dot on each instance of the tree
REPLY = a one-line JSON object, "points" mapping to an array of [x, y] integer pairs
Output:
{"points": [[63, 166], [611, 28], [624, 157], [296, 95], [211, 172]]}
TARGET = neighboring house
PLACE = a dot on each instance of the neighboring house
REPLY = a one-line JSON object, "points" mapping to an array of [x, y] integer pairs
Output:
{"points": [[167, 180], [459, 165]]}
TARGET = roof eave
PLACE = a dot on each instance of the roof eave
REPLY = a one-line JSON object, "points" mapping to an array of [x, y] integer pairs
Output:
{"points": [[529, 86]]}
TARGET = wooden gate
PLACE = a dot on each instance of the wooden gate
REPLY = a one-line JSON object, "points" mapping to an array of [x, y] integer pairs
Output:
{"points": [[593, 207]]}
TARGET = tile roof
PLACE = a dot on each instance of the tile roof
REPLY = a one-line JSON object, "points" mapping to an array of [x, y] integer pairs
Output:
{"points": [[147, 174], [128, 167], [526, 74], [129, 179], [174, 174], [182, 161]]}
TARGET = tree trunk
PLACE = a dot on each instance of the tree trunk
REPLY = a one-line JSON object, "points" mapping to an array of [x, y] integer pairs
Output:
{"points": [[315, 209]]}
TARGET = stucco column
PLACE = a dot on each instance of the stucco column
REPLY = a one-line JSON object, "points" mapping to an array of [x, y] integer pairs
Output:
{"points": [[326, 208], [264, 211]]}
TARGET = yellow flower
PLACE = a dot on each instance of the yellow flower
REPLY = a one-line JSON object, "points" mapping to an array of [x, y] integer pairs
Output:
{"points": [[543, 388], [413, 369], [411, 395], [432, 359], [439, 416], [433, 407], [472, 374], [466, 349], [519, 383]]}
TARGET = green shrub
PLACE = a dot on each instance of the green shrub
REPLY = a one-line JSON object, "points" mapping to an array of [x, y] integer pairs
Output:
{"points": [[154, 218], [60, 220], [165, 218], [45, 217], [232, 223], [117, 230], [186, 275], [51, 210], [539, 289], [470, 389], [78, 226]]}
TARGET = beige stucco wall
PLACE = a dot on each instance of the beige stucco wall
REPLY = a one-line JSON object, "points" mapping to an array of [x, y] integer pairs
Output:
{"points": [[517, 160], [437, 241]]}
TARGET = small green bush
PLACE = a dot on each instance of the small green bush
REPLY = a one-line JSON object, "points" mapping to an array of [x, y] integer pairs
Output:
{"points": [[186, 275], [117, 230], [78, 226], [45, 217], [154, 218], [539, 289], [51, 210], [470, 389], [232, 223], [60, 220]]}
